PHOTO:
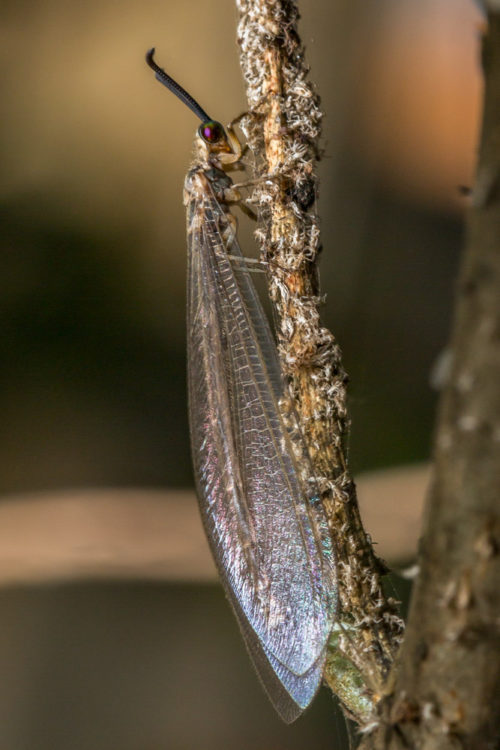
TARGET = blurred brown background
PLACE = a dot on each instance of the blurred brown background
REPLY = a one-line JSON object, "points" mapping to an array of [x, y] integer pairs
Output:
{"points": [[94, 154]]}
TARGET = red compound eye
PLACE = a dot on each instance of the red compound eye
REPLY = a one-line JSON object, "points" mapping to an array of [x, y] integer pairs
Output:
{"points": [[211, 131]]}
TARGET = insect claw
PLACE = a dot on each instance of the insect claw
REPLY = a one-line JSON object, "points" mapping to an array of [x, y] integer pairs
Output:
{"points": [[247, 210]]}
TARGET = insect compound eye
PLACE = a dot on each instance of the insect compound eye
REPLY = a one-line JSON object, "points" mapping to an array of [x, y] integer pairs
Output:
{"points": [[211, 131]]}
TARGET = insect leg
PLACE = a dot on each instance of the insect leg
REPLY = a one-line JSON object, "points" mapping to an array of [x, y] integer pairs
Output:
{"points": [[259, 266], [233, 195]]}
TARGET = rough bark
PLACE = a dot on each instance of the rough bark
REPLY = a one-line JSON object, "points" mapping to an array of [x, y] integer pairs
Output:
{"points": [[447, 687]]}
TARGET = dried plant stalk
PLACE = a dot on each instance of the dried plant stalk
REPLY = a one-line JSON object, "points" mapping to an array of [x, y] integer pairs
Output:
{"points": [[283, 129]]}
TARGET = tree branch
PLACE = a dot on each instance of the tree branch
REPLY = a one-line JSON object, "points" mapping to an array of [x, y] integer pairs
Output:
{"points": [[447, 691], [283, 128]]}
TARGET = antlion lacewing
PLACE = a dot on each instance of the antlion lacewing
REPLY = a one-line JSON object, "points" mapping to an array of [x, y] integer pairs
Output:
{"points": [[268, 532]]}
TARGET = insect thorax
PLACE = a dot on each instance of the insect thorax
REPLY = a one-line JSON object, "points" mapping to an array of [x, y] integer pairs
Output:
{"points": [[197, 178]]}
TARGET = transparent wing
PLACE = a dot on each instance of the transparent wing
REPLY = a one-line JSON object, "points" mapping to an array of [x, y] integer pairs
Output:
{"points": [[269, 540], [289, 693]]}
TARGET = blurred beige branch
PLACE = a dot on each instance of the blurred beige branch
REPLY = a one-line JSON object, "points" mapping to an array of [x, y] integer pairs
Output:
{"points": [[157, 534]]}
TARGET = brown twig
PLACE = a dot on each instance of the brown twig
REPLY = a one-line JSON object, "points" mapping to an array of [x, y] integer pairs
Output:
{"points": [[283, 129]]}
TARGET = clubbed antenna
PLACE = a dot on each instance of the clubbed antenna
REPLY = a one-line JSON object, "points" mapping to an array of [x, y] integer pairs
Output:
{"points": [[175, 87]]}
